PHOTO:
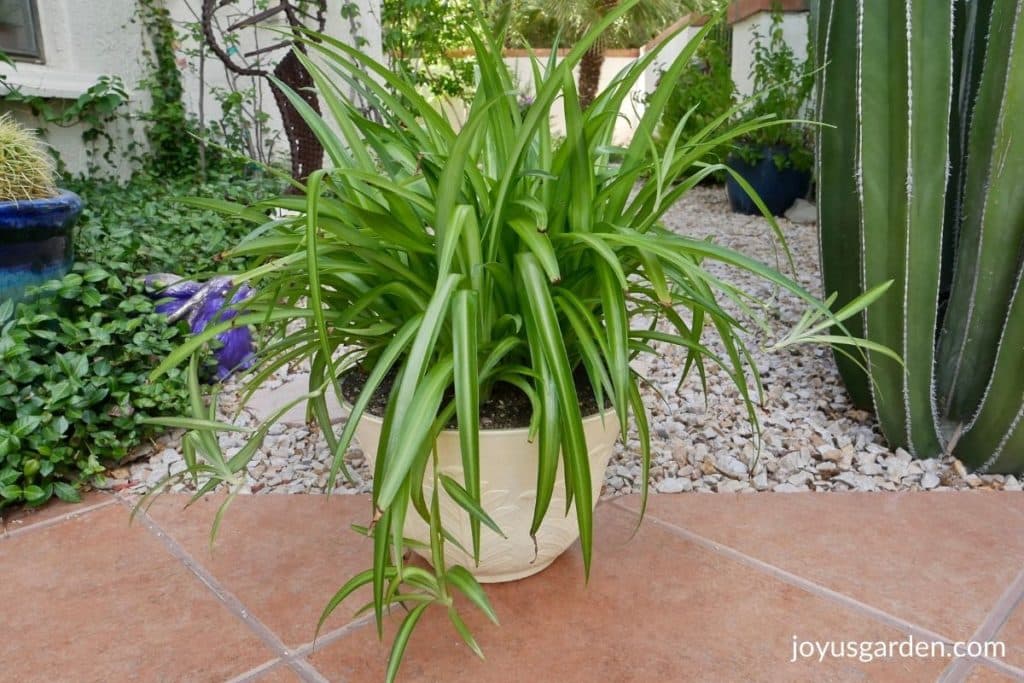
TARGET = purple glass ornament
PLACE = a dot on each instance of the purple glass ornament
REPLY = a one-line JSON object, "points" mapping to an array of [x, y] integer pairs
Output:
{"points": [[205, 304]]}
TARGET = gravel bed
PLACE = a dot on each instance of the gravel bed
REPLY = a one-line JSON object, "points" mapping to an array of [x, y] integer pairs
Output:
{"points": [[812, 438]]}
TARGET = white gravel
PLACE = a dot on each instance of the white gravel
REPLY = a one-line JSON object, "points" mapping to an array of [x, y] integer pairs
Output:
{"points": [[811, 437]]}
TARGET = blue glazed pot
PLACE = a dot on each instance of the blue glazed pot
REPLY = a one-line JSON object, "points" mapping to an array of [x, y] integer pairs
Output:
{"points": [[777, 189], [36, 241]]}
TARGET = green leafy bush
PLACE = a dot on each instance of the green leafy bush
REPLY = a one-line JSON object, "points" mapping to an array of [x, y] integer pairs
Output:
{"points": [[702, 94], [143, 225], [782, 87], [74, 360], [73, 389]]}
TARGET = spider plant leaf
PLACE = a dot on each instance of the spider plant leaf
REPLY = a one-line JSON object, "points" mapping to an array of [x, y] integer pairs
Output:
{"points": [[414, 426], [402, 640], [472, 506], [465, 312], [458, 577], [574, 442], [463, 631]]}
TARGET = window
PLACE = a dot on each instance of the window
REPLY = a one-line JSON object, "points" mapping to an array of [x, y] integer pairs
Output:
{"points": [[19, 29]]}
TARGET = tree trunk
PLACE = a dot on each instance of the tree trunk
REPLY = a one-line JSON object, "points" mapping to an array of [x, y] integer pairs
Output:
{"points": [[593, 60], [590, 74]]}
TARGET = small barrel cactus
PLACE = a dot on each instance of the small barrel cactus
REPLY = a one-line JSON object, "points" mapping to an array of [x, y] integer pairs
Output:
{"points": [[26, 170]]}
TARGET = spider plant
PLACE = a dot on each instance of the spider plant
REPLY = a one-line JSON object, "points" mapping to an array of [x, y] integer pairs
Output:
{"points": [[450, 261]]}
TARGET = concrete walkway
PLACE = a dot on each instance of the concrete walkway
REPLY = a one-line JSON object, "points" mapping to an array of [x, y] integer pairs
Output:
{"points": [[712, 587]]}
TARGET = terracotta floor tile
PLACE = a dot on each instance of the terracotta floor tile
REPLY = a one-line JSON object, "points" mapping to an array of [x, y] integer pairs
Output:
{"points": [[940, 559], [984, 674], [657, 609], [283, 556], [24, 517], [92, 599], [1012, 634], [282, 673]]}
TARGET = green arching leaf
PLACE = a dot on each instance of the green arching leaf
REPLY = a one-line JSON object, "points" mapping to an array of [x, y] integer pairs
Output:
{"points": [[402, 639], [193, 423], [613, 307], [465, 317], [459, 578], [463, 631], [472, 506], [574, 442], [550, 441], [414, 427]]}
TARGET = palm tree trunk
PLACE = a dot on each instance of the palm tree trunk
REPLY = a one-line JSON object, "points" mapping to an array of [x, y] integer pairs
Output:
{"points": [[590, 74], [593, 59]]}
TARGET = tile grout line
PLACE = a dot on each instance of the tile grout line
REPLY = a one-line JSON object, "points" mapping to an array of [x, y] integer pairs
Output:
{"points": [[812, 587], [990, 626], [254, 673], [54, 521], [334, 636], [227, 598]]}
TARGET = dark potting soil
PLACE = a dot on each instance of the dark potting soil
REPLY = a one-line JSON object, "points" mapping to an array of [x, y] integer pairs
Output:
{"points": [[506, 408]]}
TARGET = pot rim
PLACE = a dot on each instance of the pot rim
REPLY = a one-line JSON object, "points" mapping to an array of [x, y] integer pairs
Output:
{"points": [[509, 431], [65, 199]]}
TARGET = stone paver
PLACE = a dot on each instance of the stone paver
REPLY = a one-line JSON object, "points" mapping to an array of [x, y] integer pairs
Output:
{"points": [[939, 560], [92, 599], [267, 401], [710, 588], [282, 566], [1013, 634]]}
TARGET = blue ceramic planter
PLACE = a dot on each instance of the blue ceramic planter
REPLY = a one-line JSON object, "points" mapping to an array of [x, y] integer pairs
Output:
{"points": [[777, 189], [36, 241]]}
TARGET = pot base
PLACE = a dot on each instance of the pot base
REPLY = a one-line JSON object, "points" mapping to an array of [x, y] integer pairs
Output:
{"points": [[506, 577], [508, 481]]}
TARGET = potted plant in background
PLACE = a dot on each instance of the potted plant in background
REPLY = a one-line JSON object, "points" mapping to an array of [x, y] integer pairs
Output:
{"points": [[445, 282], [36, 218], [775, 160]]}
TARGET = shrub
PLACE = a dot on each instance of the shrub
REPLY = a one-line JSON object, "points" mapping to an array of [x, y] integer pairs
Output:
{"points": [[73, 389], [702, 94], [74, 360], [143, 225]]}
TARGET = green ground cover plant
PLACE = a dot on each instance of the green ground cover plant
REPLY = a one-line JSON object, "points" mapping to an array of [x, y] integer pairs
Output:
{"points": [[74, 359], [73, 389]]}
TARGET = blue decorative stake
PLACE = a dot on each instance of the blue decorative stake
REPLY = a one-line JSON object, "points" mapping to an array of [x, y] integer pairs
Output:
{"points": [[36, 241]]}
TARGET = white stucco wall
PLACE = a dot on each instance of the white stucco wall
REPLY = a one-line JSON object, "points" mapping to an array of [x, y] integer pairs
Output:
{"points": [[83, 39], [794, 30], [673, 46], [80, 43], [632, 108]]}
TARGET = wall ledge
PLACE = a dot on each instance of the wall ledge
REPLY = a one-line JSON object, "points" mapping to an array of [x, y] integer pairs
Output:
{"points": [[46, 81], [744, 9]]}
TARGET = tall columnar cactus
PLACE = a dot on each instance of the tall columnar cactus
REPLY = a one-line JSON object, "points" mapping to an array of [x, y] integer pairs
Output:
{"points": [[921, 180]]}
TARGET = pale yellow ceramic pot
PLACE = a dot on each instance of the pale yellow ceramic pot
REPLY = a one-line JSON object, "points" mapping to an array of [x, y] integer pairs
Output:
{"points": [[508, 481]]}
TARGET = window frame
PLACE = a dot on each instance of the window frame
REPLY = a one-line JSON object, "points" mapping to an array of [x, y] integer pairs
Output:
{"points": [[39, 57]]}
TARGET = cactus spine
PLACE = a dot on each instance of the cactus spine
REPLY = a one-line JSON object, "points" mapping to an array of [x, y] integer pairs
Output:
{"points": [[26, 170]]}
